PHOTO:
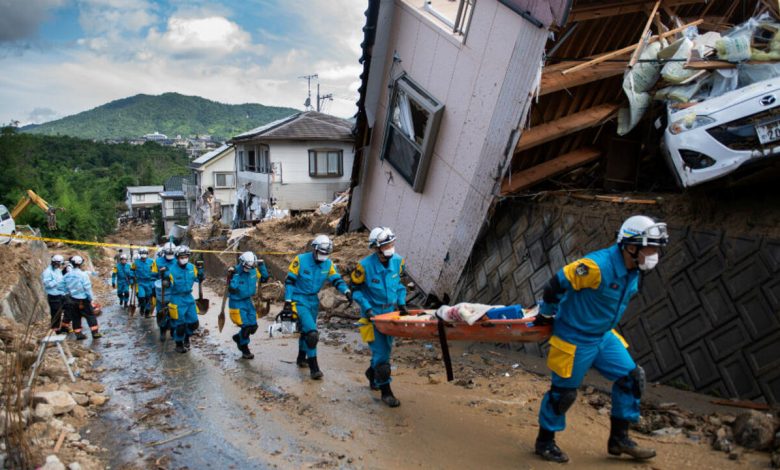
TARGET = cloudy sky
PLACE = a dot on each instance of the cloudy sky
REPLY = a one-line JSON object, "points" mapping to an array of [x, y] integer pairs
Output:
{"points": [[61, 57]]}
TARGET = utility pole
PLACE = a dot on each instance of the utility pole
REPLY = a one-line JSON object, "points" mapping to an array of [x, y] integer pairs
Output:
{"points": [[307, 103], [321, 99]]}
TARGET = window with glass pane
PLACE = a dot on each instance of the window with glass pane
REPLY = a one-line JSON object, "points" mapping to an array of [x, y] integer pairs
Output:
{"points": [[324, 163], [223, 180], [410, 133]]}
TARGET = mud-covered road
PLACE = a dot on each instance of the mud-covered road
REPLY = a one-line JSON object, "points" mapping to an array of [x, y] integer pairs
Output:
{"points": [[266, 412]]}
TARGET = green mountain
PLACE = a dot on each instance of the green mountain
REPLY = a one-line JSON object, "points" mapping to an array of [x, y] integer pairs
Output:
{"points": [[170, 114]]}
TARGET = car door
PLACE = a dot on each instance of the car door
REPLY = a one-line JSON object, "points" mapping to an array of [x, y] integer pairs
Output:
{"points": [[7, 225]]}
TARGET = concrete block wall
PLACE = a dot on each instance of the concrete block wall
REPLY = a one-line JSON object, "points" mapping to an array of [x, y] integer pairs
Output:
{"points": [[707, 319]]}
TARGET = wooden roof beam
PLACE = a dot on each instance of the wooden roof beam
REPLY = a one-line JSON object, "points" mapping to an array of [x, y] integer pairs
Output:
{"points": [[554, 80], [536, 174], [566, 125], [598, 11]]}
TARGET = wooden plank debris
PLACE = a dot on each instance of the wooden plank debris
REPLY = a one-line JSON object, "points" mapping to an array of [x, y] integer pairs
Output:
{"points": [[554, 80], [526, 178], [566, 125], [644, 38], [601, 10], [627, 49]]}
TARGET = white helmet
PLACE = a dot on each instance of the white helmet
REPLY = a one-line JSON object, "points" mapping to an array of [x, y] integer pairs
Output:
{"points": [[57, 259], [644, 231], [169, 248], [143, 252], [123, 257], [183, 250], [76, 261], [380, 236], [322, 244], [248, 259]]}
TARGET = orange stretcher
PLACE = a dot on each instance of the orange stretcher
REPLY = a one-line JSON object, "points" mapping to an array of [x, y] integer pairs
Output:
{"points": [[422, 324], [487, 330]]}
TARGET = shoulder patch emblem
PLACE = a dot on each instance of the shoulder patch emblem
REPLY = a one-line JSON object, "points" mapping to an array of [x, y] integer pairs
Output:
{"points": [[296, 263], [581, 270]]}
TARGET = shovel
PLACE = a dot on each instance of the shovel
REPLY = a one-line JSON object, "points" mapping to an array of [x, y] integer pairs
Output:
{"points": [[163, 312], [201, 303], [221, 317]]}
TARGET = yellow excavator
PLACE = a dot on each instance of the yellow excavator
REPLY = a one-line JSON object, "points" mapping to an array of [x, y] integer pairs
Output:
{"points": [[32, 198]]}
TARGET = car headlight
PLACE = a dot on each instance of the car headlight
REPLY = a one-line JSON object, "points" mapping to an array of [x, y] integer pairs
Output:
{"points": [[689, 122]]}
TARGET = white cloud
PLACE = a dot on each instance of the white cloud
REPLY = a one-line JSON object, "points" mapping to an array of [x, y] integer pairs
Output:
{"points": [[213, 35], [115, 17]]}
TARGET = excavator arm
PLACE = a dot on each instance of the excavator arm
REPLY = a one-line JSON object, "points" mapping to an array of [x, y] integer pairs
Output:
{"points": [[32, 198]]}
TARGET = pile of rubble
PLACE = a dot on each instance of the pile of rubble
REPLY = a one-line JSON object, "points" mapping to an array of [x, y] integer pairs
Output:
{"points": [[40, 425], [732, 434]]}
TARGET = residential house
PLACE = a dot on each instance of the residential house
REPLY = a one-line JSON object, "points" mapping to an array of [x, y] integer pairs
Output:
{"points": [[141, 200], [445, 90], [174, 204], [298, 162], [215, 173]]}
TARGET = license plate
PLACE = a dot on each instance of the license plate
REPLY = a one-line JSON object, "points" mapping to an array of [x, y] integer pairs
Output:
{"points": [[768, 131]]}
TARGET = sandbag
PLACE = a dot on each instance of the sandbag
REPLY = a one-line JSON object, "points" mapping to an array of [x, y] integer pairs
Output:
{"points": [[675, 72]]}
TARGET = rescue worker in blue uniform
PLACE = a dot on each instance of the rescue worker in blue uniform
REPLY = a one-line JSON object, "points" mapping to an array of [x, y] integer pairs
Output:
{"points": [[122, 279], [166, 259], [586, 299], [144, 277], [55, 294], [243, 286], [307, 274], [79, 288], [182, 310], [378, 289]]}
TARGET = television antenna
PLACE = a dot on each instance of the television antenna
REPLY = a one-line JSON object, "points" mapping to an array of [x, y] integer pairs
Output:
{"points": [[307, 103]]}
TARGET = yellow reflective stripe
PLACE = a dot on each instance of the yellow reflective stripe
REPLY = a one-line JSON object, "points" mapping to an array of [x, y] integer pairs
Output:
{"points": [[621, 338], [358, 274], [403, 265], [560, 358], [295, 266], [114, 271], [332, 270], [583, 274], [196, 271], [130, 245]]}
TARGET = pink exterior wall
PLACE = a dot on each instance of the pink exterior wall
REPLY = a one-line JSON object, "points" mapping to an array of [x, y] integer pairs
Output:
{"points": [[484, 85]]}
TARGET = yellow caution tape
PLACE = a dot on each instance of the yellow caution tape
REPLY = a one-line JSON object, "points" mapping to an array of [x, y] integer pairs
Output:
{"points": [[134, 246]]}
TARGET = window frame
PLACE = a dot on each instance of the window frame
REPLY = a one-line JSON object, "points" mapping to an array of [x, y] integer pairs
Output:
{"points": [[435, 110], [313, 173], [216, 174]]}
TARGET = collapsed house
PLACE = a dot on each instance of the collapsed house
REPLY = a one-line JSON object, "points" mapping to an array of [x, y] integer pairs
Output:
{"points": [[471, 111]]}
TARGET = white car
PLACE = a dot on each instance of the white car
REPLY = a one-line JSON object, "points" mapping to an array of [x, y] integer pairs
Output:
{"points": [[7, 225], [713, 138]]}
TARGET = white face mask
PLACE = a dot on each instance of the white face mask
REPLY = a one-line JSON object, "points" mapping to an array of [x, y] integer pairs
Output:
{"points": [[247, 269], [651, 261], [320, 257], [388, 252], [184, 261], [169, 257]]}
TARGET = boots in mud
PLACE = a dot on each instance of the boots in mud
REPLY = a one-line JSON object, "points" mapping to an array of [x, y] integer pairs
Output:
{"points": [[301, 360], [370, 377], [619, 442], [96, 334], [187, 343], [388, 397], [245, 352], [547, 449], [180, 347], [314, 368], [162, 334]]}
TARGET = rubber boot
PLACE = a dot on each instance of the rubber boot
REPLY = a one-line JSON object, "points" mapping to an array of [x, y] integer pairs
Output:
{"points": [[547, 449], [180, 347], [81, 336], [236, 340], [316, 373], [97, 335], [301, 360], [187, 343], [370, 377], [619, 442], [162, 334], [388, 397], [245, 352]]}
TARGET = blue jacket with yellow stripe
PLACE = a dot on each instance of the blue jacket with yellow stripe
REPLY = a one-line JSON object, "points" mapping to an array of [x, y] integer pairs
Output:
{"points": [[306, 276], [243, 285], [377, 286], [593, 294]]}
